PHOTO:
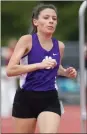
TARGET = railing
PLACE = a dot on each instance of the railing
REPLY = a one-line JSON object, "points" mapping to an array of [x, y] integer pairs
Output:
{"points": [[82, 65]]}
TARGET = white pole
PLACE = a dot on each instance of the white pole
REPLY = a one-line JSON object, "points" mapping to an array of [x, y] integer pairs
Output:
{"points": [[82, 64]]}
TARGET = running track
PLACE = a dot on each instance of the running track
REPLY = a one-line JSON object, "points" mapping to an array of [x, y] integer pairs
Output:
{"points": [[70, 121]]}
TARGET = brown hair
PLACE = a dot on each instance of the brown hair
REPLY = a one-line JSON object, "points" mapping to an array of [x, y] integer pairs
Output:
{"points": [[37, 11]]}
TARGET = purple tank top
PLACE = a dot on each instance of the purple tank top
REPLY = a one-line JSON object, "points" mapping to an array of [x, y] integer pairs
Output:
{"points": [[42, 79]]}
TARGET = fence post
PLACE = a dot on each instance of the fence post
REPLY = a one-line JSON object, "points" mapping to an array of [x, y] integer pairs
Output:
{"points": [[82, 64]]}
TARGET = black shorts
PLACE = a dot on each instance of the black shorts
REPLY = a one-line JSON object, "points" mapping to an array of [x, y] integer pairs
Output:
{"points": [[29, 104]]}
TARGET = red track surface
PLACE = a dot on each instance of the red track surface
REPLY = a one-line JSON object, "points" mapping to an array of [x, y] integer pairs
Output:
{"points": [[70, 121]]}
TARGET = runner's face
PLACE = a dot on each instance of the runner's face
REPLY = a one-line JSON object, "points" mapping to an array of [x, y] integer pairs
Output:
{"points": [[47, 21]]}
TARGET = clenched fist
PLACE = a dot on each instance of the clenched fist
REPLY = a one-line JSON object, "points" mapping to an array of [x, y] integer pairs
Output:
{"points": [[70, 72]]}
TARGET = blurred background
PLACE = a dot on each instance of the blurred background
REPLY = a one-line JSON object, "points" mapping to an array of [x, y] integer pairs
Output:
{"points": [[15, 22]]}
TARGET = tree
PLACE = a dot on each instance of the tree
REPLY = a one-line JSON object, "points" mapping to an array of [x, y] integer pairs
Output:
{"points": [[16, 19]]}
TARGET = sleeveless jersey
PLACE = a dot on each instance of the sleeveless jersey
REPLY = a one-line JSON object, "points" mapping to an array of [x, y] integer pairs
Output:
{"points": [[42, 79]]}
